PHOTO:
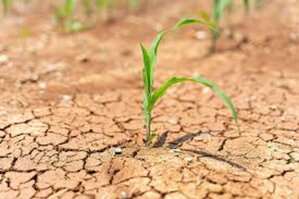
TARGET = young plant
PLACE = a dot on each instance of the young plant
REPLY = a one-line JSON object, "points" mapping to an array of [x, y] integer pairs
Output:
{"points": [[64, 17], [152, 96], [219, 6]]}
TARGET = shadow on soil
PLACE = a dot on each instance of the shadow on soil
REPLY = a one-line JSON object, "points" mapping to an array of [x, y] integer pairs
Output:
{"points": [[179, 141]]}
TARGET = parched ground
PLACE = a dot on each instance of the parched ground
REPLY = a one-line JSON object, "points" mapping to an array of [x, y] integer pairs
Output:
{"points": [[67, 100]]}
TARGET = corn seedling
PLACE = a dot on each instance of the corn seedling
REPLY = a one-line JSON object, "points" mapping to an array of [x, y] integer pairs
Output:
{"points": [[64, 16], [219, 7], [152, 96], [213, 20]]}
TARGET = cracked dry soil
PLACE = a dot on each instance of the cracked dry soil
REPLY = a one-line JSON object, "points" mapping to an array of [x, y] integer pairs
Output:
{"points": [[61, 116]]}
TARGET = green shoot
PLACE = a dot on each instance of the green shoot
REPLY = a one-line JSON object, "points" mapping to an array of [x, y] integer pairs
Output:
{"points": [[218, 11], [87, 5], [6, 5], [64, 17], [102, 3], [246, 6], [152, 96]]}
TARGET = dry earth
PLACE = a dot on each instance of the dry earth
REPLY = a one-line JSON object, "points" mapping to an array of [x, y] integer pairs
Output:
{"points": [[67, 100]]}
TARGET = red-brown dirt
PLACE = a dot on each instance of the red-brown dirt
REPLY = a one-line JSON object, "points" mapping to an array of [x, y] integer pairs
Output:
{"points": [[67, 100]]}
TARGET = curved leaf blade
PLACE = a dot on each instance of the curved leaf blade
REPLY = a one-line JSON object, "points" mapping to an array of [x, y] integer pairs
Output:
{"points": [[160, 92], [186, 22], [155, 45], [146, 73]]}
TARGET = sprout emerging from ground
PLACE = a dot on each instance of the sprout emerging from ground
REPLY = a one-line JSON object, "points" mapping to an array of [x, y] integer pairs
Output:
{"points": [[152, 96]]}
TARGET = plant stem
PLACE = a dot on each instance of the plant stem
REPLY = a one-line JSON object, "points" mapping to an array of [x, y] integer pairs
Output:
{"points": [[148, 121], [214, 42]]}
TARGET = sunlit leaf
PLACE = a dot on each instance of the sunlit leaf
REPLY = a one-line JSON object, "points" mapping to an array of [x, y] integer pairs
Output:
{"points": [[162, 90], [146, 73], [219, 7], [70, 7], [186, 22]]}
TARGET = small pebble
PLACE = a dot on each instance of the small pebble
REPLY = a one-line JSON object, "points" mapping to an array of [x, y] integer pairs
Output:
{"points": [[196, 74], [201, 35], [3, 59], [175, 150], [206, 90], [66, 97], [124, 195], [117, 150], [188, 159], [172, 121], [42, 85]]}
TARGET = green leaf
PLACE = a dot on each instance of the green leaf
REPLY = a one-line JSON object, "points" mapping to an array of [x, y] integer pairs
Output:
{"points": [[162, 90], [6, 4], [146, 73], [205, 15], [70, 7], [186, 22], [102, 3], [246, 5], [153, 51], [210, 23], [155, 45], [219, 7]]}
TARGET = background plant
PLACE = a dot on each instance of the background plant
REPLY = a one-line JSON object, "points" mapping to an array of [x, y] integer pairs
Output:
{"points": [[246, 6], [152, 96], [6, 5], [218, 10], [64, 17]]}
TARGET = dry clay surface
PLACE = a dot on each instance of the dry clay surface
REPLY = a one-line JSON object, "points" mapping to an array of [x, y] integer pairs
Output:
{"points": [[60, 120]]}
